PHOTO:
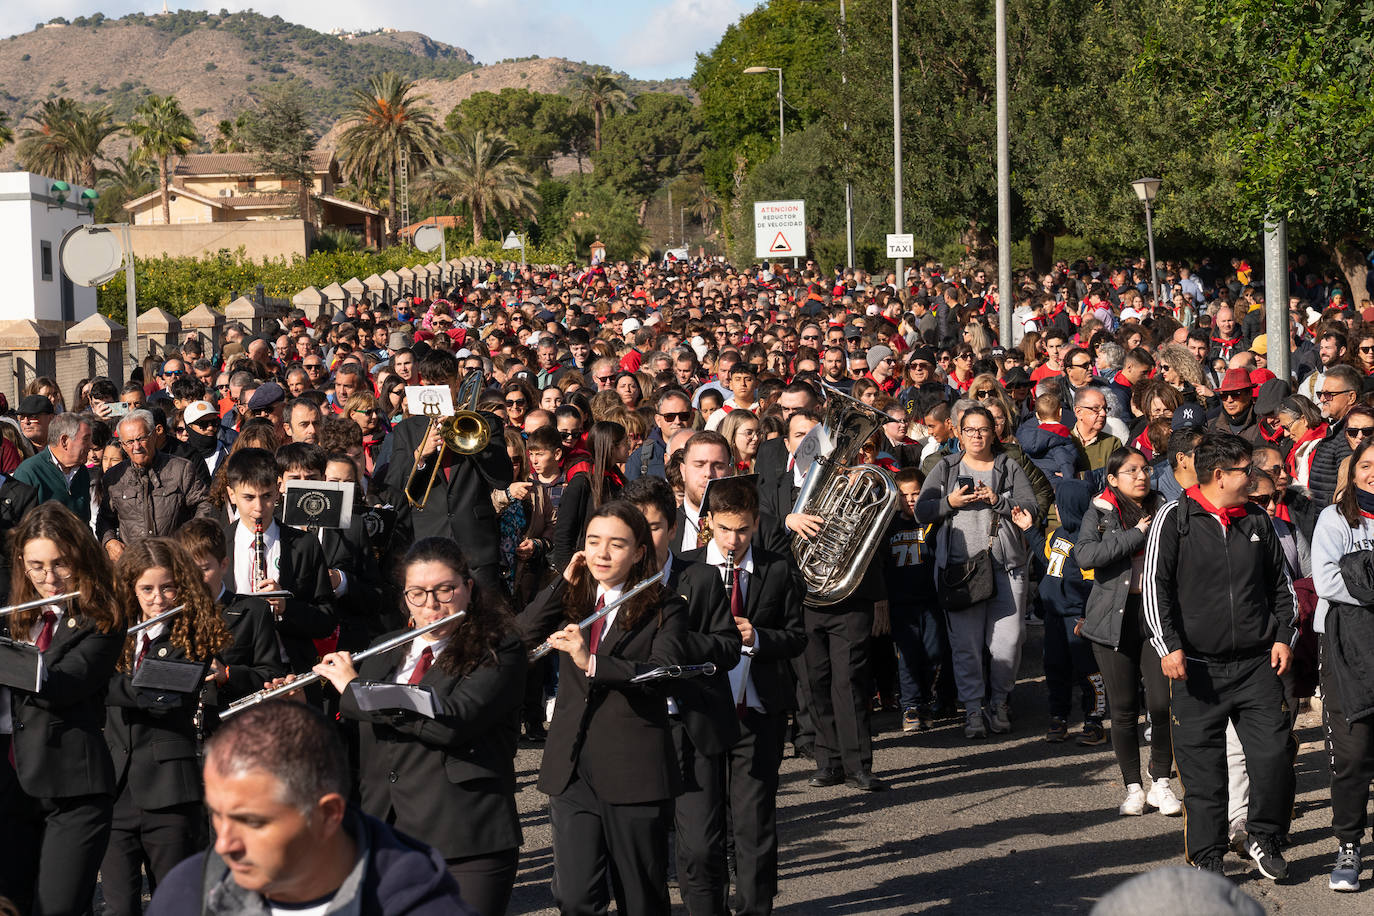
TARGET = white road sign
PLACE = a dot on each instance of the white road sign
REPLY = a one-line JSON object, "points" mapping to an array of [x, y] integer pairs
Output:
{"points": [[900, 245], [779, 229]]}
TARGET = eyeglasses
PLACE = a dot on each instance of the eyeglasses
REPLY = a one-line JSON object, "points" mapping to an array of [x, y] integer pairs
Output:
{"points": [[365, 411], [1263, 500], [677, 416], [1359, 432], [516, 402], [1163, 367], [1100, 408], [139, 440], [1245, 469], [39, 571], [173, 373], [1134, 472], [979, 431], [1232, 395], [166, 591], [984, 394], [443, 594], [604, 378], [1328, 395], [309, 366], [964, 356]]}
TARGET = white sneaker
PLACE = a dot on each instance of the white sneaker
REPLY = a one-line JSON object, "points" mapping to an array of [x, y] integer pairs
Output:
{"points": [[1163, 798], [1134, 805]]}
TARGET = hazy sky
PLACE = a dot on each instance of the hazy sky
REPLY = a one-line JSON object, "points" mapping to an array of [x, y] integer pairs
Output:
{"points": [[649, 39]]}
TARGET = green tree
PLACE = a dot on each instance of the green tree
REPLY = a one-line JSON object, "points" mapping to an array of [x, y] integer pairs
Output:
{"points": [[595, 210], [278, 133], [126, 179], [644, 149], [385, 121], [6, 131], [64, 139], [480, 172], [230, 135], [600, 93], [162, 130], [539, 125]]}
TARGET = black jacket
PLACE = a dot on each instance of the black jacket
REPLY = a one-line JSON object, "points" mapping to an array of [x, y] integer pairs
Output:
{"points": [[309, 613], [58, 746], [460, 505], [573, 511], [612, 730], [705, 704], [364, 613], [253, 659], [449, 781], [1216, 593], [16, 499], [1326, 464]]}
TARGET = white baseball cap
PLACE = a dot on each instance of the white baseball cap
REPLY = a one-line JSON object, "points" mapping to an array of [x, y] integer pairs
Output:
{"points": [[198, 410]]}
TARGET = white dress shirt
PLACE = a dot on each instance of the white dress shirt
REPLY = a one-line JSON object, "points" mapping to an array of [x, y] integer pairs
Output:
{"points": [[417, 648], [243, 555], [689, 530]]}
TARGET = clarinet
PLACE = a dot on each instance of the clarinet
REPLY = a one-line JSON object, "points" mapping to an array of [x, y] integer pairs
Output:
{"points": [[259, 557]]}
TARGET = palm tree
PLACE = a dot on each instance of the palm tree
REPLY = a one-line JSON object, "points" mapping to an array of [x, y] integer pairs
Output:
{"points": [[6, 132], [480, 171], [703, 202], [600, 93], [125, 179], [231, 136], [64, 140], [383, 121], [162, 131]]}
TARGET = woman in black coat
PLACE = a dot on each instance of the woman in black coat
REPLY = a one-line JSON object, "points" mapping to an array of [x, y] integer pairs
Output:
{"points": [[154, 735], [589, 485], [57, 794], [608, 764], [450, 780]]}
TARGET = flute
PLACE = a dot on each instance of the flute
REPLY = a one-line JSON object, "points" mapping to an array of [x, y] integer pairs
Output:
{"points": [[40, 602], [253, 699], [154, 621], [546, 647]]}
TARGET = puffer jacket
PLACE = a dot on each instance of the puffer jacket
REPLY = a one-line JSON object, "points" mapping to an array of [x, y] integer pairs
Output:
{"points": [[1106, 548], [1014, 491], [1326, 464]]}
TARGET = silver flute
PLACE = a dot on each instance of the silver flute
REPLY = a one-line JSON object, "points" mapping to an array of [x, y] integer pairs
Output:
{"points": [[40, 602], [546, 647], [253, 699], [154, 621]]}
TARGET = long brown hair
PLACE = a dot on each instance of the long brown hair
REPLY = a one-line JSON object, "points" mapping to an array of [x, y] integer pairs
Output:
{"points": [[488, 620], [1348, 503], [91, 572], [582, 593], [199, 631]]}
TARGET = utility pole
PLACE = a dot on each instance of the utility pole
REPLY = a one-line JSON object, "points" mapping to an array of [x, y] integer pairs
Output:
{"points": [[897, 144], [1005, 302], [848, 185], [1276, 296]]}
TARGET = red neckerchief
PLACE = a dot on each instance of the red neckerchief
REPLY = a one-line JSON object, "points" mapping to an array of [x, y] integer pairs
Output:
{"points": [[1121, 380], [1270, 435], [1318, 433], [1058, 429], [1107, 495], [1281, 510], [1226, 343], [1142, 442], [1225, 516]]}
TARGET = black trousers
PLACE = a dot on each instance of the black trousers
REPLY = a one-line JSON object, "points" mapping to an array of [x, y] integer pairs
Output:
{"points": [[486, 880], [592, 837], [752, 776], [140, 840], [699, 819], [50, 848], [1350, 746], [837, 666], [1249, 694], [1123, 668]]}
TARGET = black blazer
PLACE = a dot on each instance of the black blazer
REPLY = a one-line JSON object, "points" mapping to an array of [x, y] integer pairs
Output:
{"points": [[309, 612], [614, 732], [16, 499], [705, 704], [58, 745], [459, 508], [253, 658], [362, 609], [573, 509], [449, 781], [152, 737]]}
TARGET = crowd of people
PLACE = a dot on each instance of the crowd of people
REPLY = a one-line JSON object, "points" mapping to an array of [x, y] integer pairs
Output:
{"points": [[627, 493]]}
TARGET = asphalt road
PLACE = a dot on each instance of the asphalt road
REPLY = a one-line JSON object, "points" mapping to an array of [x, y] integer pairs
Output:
{"points": [[1010, 824]]}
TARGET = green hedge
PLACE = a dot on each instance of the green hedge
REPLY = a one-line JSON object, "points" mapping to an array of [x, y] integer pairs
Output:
{"points": [[180, 284]]}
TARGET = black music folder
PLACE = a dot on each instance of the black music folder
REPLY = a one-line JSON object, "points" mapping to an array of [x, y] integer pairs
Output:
{"points": [[318, 504], [21, 666], [168, 675]]}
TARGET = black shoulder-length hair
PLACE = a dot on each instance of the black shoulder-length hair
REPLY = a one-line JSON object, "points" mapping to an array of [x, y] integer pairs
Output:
{"points": [[582, 593], [488, 620], [1130, 511]]}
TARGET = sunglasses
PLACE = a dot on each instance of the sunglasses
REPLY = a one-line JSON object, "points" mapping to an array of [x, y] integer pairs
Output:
{"points": [[516, 402], [1079, 365], [1328, 395], [1359, 432], [984, 394], [174, 373], [570, 434], [678, 416], [309, 366], [1264, 500]]}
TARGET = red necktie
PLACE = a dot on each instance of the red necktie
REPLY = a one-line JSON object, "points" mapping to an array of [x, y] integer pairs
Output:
{"points": [[44, 639], [423, 665], [143, 650], [597, 628], [737, 611]]}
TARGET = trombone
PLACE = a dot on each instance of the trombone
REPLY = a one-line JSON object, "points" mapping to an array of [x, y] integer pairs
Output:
{"points": [[40, 602], [467, 432]]}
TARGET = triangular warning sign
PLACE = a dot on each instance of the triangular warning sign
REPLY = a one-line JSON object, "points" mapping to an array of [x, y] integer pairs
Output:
{"points": [[780, 244]]}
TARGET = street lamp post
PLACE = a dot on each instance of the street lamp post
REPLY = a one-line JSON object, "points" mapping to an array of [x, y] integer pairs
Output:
{"points": [[1146, 189], [897, 145], [778, 71]]}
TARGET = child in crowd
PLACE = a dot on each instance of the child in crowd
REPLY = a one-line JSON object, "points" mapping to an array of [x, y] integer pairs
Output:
{"points": [[918, 628]]}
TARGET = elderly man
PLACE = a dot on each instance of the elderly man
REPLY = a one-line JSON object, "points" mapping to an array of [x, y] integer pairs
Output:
{"points": [[150, 493], [1237, 407], [1090, 416], [59, 470], [672, 413]]}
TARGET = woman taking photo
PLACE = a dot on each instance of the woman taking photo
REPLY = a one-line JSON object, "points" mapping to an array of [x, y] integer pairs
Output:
{"points": [[450, 780], [153, 734], [1111, 542], [56, 810], [596, 482], [972, 495], [608, 766]]}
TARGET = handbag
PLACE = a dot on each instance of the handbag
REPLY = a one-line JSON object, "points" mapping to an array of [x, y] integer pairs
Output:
{"points": [[963, 585]]}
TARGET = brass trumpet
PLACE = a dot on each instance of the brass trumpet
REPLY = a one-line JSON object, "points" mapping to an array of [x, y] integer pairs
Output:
{"points": [[467, 432]]}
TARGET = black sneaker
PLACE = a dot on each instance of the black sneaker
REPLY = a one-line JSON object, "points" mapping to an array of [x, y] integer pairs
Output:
{"points": [[1265, 851], [1058, 730], [1093, 735], [1212, 864]]}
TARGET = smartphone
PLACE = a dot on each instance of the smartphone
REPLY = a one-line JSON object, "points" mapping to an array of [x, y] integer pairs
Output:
{"points": [[964, 482], [117, 408]]}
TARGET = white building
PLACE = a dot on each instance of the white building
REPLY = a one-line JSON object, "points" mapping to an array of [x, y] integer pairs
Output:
{"points": [[32, 224]]}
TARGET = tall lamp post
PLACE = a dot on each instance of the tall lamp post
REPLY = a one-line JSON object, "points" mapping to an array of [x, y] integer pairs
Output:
{"points": [[1146, 189], [897, 146], [778, 71]]}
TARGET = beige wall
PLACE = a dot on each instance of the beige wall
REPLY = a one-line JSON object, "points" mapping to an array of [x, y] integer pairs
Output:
{"points": [[184, 210], [260, 239]]}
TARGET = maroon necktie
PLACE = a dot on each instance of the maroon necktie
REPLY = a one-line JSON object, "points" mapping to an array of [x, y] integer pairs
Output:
{"points": [[143, 651], [423, 665], [45, 634], [597, 628], [737, 611]]}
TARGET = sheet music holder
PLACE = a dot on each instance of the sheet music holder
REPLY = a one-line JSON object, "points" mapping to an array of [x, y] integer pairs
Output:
{"points": [[21, 666], [278, 593], [171, 675], [385, 697], [318, 503]]}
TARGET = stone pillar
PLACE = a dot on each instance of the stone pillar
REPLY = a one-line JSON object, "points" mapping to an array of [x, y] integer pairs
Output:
{"points": [[247, 312], [355, 288], [158, 329], [336, 297], [104, 340], [311, 301], [378, 290], [405, 282], [205, 323], [33, 350]]}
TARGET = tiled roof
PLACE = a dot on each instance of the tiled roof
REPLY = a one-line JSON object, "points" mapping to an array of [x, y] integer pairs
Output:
{"points": [[201, 164]]}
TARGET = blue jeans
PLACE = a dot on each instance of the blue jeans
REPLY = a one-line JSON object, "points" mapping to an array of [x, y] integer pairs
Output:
{"points": [[919, 634]]}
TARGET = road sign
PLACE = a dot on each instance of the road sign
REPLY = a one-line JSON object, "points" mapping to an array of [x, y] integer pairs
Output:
{"points": [[779, 229], [900, 245]]}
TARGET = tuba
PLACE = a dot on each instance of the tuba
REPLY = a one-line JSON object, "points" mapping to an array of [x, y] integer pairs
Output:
{"points": [[856, 501]]}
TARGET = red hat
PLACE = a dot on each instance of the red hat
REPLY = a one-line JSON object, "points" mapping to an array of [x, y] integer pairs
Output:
{"points": [[1259, 377], [1235, 380]]}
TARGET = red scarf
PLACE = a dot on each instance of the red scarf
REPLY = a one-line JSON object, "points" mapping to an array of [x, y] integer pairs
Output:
{"points": [[1318, 433], [1225, 516], [1121, 380], [1059, 429]]}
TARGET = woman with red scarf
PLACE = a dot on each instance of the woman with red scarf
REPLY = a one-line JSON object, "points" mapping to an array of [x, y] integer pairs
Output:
{"points": [[590, 485], [1302, 422], [961, 370], [1111, 542]]}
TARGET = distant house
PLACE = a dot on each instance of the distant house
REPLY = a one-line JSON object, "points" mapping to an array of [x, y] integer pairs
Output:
{"points": [[230, 187]]}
